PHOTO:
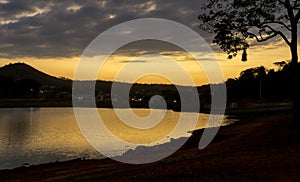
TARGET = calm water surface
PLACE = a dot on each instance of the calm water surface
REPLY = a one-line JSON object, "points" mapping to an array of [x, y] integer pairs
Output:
{"points": [[40, 135]]}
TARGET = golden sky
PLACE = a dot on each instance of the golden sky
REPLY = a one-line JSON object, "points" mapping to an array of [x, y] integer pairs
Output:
{"points": [[66, 67]]}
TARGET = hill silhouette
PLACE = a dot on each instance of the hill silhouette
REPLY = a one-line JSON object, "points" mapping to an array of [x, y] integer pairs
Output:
{"points": [[22, 71], [21, 81], [254, 85], [22, 85]]}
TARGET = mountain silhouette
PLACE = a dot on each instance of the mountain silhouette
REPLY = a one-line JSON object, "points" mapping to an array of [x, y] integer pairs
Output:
{"points": [[22, 71]]}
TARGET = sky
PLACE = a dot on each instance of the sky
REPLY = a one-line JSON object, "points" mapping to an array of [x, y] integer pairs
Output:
{"points": [[51, 35]]}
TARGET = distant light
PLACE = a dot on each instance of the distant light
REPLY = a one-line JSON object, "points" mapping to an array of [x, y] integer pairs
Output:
{"points": [[112, 16]]}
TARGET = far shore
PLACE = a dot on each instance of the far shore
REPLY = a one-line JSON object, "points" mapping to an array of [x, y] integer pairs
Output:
{"points": [[244, 108], [260, 147]]}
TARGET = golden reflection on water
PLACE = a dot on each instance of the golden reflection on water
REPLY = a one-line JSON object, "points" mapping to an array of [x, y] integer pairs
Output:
{"points": [[39, 135], [144, 136], [58, 130]]}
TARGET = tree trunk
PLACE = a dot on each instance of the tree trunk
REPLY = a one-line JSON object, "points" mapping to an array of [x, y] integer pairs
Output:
{"points": [[295, 78], [294, 51]]}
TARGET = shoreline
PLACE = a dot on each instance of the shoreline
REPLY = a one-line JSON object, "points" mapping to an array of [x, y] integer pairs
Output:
{"points": [[35, 103]]}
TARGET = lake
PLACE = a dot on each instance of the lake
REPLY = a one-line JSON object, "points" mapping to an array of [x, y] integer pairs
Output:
{"points": [[39, 135]]}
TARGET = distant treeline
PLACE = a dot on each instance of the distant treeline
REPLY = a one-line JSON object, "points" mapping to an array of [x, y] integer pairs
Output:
{"points": [[20, 81], [12, 89], [260, 83]]}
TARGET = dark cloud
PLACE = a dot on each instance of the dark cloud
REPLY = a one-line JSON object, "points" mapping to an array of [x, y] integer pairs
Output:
{"points": [[134, 61], [55, 28], [64, 28]]}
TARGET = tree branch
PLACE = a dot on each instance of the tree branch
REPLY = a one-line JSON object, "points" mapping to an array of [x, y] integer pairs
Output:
{"points": [[278, 33], [281, 23], [289, 8], [261, 39], [296, 5], [282, 2], [297, 17]]}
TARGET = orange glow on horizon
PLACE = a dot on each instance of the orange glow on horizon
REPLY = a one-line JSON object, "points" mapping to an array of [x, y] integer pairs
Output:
{"points": [[66, 67]]}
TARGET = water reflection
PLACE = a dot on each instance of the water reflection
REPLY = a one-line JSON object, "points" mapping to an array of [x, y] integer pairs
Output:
{"points": [[36, 136], [18, 128], [40, 135]]}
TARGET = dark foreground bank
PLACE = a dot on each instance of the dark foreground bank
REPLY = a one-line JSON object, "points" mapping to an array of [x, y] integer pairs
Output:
{"points": [[263, 147]]}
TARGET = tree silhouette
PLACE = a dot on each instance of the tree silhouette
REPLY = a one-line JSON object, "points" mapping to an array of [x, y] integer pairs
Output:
{"points": [[237, 23]]}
